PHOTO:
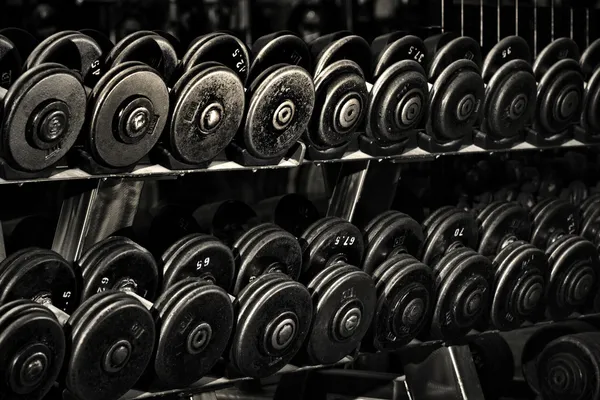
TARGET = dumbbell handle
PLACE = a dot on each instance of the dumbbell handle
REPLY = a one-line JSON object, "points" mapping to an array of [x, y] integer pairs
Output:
{"points": [[148, 304], [62, 316]]}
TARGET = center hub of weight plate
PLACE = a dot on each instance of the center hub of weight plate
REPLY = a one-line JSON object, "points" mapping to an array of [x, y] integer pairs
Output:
{"points": [[579, 284], [412, 313], [30, 368], [347, 112], [280, 333], [284, 115], [117, 356], [199, 338], [567, 104], [211, 118], [518, 106], [49, 124], [347, 320], [465, 107], [409, 108], [135, 120]]}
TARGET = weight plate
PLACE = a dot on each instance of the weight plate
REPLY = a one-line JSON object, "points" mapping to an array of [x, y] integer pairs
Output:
{"points": [[111, 346], [349, 47], [520, 282], [227, 220], [206, 112], [279, 110], [23, 40], [507, 222], [506, 50], [398, 47], [559, 49], [591, 103], [11, 62], [461, 48], [295, 213], [404, 304], [344, 309], [494, 363], [590, 226], [401, 91], [199, 256], [397, 233], [169, 223], [136, 100], [434, 218], [194, 333], [590, 205], [39, 275], [271, 329], [575, 193], [589, 61], [551, 220], [455, 228], [32, 350], [334, 240], [121, 265], [44, 111], [463, 286]]}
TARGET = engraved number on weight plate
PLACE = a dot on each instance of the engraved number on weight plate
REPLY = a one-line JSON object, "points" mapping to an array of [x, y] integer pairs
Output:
{"points": [[506, 52], [202, 263], [459, 232], [240, 65], [572, 225], [344, 240], [416, 53]]}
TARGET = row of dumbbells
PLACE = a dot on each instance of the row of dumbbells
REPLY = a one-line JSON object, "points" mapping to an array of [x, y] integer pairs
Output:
{"points": [[145, 95]]}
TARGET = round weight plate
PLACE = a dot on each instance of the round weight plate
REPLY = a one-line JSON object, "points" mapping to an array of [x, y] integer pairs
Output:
{"points": [[507, 222], [349, 47], [344, 309], [590, 226], [494, 363], [194, 333], [589, 61], [434, 218], [199, 256], [463, 286], [11, 62], [205, 113], [341, 99], [551, 220], [169, 223], [455, 100], [510, 99], [120, 265], [506, 50], [295, 213], [112, 99], [338, 241], [44, 111], [397, 233], [39, 275], [559, 49], [279, 110], [266, 248], [591, 204], [457, 227], [569, 368], [591, 104], [406, 47], [271, 329], [110, 347], [401, 91], [461, 48], [23, 40], [520, 282], [404, 305], [226, 220], [32, 350], [574, 274]]}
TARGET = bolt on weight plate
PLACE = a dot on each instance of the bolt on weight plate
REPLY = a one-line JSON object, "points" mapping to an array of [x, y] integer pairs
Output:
{"points": [[329, 241], [39, 275], [196, 324], [389, 234], [111, 343], [500, 224], [551, 219], [265, 249], [199, 256], [273, 319], [44, 111], [405, 299], [344, 301], [521, 275], [32, 344], [119, 263], [207, 108], [463, 286], [128, 110]]}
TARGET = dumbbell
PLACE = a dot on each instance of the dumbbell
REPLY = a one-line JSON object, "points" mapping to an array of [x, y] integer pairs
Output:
{"points": [[109, 338], [463, 278], [510, 95], [280, 97], [343, 296], [589, 126], [405, 295], [521, 271], [227, 220], [559, 93], [131, 95], [533, 371], [43, 112], [494, 363], [194, 318], [207, 100], [398, 96], [292, 212], [574, 261], [456, 95]]}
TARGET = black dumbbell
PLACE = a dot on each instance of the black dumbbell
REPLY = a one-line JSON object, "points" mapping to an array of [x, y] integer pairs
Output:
{"points": [[206, 101], [194, 318], [398, 96], [463, 278], [168, 223], [43, 112], [280, 99], [575, 193], [227, 220], [589, 125], [494, 363], [574, 261], [559, 93], [344, 297], [510, 94], [130, 95], [405, 295], [456, 95], [568, 367], [109, 338], [536, 343], [521, 271]]}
